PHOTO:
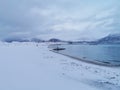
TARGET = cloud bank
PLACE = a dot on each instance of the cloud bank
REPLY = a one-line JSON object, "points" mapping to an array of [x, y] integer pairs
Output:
{"points": [[63, 19]]}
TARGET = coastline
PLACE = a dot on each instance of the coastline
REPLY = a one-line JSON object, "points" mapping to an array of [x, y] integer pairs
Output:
{"points": [[88, 61], [33, 66], [91, 61]]}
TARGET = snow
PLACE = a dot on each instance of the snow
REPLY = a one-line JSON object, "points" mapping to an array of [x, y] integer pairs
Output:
{"points": [[28, 66]]}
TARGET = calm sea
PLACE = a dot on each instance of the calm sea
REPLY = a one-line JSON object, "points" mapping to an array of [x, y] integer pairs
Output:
{"points": [[102, 53]]}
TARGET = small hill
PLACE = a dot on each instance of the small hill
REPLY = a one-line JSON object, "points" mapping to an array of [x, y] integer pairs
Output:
{"points": [[54, 40]]}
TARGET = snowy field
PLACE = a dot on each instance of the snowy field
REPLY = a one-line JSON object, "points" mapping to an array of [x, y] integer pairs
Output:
{"points": [[27, 66]]}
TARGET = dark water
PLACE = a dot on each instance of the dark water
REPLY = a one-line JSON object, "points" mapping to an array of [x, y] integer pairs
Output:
{"points": [[102, 53]]}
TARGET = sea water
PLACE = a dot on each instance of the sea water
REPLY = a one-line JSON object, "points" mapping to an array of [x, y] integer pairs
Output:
{"points": [[102, 53]]}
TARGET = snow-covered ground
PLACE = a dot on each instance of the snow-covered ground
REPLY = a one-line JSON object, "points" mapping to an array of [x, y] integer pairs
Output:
{"points": [[27, 66]]}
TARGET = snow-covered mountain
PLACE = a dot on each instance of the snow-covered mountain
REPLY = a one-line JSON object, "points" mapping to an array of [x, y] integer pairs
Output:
{"points": [[16, 39], [37, 40], [110, 39], [54, 40]]}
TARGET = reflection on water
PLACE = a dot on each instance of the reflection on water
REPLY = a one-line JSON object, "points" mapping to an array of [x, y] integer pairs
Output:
{"points": [[104, 53]]}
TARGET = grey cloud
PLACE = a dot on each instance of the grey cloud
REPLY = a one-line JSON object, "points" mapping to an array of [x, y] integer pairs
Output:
{"points": [[38, 17]]}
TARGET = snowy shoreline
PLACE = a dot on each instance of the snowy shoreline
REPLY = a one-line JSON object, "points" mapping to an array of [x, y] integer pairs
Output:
{"points": [[88, 61], [31, 66]]}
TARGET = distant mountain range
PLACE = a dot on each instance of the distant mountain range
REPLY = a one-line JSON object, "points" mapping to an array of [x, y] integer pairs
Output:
{"points": [[110, 39], [15, 39], [37, 40]]}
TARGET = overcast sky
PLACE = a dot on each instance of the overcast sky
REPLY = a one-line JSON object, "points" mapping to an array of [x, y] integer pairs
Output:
{"points": [[63, 19]]}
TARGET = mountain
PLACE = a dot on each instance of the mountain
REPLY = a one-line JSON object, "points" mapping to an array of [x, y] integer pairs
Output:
{"points": [[54, 40], [110, 39], [37, 40], [10, 40], [16, 39]]}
